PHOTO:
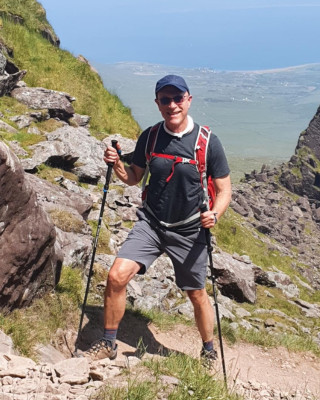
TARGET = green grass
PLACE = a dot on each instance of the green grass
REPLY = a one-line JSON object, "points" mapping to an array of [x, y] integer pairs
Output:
{"points": [[144, 382], [135, 390], [39, 322], [53, 68], [193, 377], [160, 319], [25, 139], [32, 12], [66, 221]]}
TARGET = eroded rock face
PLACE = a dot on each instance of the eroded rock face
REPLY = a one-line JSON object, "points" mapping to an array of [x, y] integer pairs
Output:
{"points": [[58, 103], [9, 76], [29, 260]]}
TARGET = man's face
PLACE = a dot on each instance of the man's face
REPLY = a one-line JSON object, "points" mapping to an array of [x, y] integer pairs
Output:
{"points": [[174, 112]]}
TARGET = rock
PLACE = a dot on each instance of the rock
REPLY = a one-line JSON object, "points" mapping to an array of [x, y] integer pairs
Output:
{"points": [[6, 127], [19, 362], [64, 148], [241, 313], [54, 197], [75, 248], [48, 354], [29, 257], [169, 380], [310, 310], [77, 367], [23, 121], [50, 36], [297, 211], [6, 344], [85, 61], [57, 103], [269, 323], [9, 81], [234, 326], [80, 120], [3, 63], [34, 130], [235, 279], [245, 324], [136, 287]]}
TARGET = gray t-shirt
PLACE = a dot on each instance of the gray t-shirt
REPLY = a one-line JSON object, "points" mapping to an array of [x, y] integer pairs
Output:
{"points": [[181, 197]]}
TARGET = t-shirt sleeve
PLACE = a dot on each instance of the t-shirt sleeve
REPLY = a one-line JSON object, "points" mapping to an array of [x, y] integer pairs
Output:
{"points": [[139, 155], [217, 165]]}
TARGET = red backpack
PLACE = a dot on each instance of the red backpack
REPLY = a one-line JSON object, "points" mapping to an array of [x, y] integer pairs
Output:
{"points": [[200, 160]]}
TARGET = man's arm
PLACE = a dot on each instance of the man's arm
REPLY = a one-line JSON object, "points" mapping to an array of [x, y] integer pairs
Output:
{"points": [[223, 197], [131, 175]]}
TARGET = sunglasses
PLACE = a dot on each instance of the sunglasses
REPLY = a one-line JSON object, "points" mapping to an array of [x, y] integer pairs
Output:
{"points": [[176, 99]]}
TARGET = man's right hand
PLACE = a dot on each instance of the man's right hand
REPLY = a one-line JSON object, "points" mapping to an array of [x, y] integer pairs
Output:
{"points": [[111, 155]]}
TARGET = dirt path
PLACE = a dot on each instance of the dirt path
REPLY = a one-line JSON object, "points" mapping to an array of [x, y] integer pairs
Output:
{"points": [[255, 367]]}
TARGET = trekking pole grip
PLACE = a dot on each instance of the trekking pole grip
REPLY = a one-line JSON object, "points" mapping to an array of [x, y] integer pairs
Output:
{"points": [[114, 145]]}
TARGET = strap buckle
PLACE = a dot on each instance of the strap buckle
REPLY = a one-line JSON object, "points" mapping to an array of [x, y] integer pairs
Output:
{"points": [[185, 160]]}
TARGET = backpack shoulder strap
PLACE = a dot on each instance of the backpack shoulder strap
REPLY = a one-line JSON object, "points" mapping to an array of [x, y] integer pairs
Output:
{"points": [[151, 140], [200, 152], [150, 145]]}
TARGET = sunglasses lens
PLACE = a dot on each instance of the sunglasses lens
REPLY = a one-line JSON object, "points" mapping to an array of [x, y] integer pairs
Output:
{"points": [[167, 100], [178, 99]]}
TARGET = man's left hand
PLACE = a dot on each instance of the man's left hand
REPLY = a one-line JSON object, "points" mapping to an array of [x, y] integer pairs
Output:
{"points": [[207, 219]]}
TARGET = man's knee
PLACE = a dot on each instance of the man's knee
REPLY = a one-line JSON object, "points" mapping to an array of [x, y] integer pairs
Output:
{"points": [[198, 297], [122, 271]]}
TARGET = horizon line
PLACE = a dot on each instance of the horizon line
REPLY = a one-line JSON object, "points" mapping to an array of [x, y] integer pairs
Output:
{"points": [[213, 69]]}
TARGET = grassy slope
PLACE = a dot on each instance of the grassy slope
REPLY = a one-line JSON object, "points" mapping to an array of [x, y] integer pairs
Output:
{"points": [[57, 69]]}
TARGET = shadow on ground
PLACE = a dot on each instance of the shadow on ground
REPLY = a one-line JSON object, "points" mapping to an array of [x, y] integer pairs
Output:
{"points": [[133, 331]]}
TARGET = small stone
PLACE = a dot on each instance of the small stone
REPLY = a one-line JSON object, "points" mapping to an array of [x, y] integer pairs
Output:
{"points": [[269, 323], [169, 380]]}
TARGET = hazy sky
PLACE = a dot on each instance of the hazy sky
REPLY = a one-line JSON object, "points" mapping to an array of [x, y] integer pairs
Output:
{"points": [[220, 34]]}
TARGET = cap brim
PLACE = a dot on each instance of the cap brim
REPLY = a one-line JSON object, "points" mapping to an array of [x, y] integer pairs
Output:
{"points": [[182, 88]]}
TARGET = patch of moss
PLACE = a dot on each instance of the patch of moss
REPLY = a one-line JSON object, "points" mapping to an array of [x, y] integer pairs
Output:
{"points": [[50, 174], [66, 221]]}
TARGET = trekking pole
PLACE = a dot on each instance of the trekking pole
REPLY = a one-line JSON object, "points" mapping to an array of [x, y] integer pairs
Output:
{"points": [[204, 208], [105, 191]]}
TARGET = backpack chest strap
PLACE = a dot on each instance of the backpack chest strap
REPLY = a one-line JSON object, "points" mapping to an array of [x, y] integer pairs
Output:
{"points": [[176, 160]]}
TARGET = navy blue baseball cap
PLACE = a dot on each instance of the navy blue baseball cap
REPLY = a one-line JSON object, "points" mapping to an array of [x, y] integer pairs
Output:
{"points": [[172, 80]]}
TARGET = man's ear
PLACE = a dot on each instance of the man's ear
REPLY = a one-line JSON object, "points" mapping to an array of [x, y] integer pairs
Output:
{"points": [[189, 101]]}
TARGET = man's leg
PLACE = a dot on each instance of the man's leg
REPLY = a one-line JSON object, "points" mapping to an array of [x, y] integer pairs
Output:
{"points": [[203, 313], [121, 272]]}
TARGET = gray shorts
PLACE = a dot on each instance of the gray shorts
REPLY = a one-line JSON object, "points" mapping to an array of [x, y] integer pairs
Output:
{"points": [[148, 240]]}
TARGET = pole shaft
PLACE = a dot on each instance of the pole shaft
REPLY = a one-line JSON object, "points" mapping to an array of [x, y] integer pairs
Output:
{"points": [[95, 244]]}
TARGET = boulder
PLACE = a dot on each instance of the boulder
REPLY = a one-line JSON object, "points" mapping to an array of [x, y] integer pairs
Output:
{"points": [[66, 146], [29, 256], [57, 103], [234, 278]]}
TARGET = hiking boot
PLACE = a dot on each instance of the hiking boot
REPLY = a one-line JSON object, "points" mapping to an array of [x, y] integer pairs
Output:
{"points": [[208, 357], [101, 349]]}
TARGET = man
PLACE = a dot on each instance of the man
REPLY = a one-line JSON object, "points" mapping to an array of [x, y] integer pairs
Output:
{"points": [[170, 221]]}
